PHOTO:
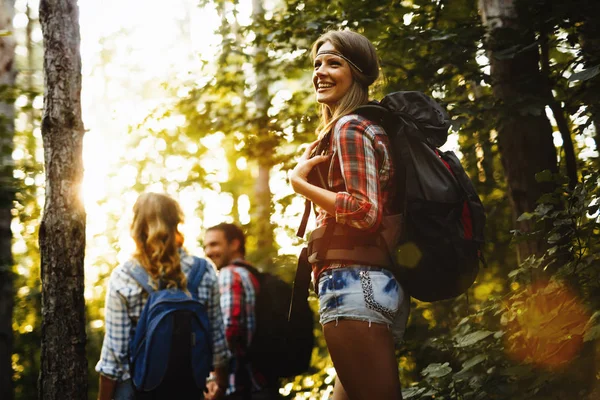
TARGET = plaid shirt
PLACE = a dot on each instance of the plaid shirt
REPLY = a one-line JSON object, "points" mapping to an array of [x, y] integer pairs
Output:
{"points": [[125, 299], [238, 299], [361, 173]]}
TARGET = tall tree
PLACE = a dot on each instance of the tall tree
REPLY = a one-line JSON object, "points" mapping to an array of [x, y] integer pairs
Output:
{"points": [[589, 33], [62, 231], [263, 228], [524, 132], [7, 188]]}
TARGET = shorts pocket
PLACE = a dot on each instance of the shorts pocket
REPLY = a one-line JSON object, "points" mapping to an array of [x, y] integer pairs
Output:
{"points": [[381, 292]]}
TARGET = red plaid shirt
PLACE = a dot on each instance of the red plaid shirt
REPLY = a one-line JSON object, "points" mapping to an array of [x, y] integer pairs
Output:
{"points": [[362, 175], [238, 289]]}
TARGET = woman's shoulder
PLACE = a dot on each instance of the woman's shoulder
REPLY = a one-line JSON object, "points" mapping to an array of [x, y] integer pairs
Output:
{"points": [[353, 124], [121, 278], [187, 260]]}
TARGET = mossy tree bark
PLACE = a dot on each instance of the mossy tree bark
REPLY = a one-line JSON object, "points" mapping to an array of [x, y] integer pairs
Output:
{"points": [[62, 232]]}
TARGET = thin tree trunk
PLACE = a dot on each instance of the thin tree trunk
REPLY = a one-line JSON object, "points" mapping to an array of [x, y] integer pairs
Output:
{"points": [[485, 141], [62, 231], [590, 49], [7, 191], [524, 132], [263, 196], [559, 115]]}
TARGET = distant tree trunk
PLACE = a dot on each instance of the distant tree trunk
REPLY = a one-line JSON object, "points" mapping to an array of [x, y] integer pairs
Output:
{"points": [[262, 212], [62, 232], [524, 132], [485, 141], [562, 121], [590, 49], [7, 191]]}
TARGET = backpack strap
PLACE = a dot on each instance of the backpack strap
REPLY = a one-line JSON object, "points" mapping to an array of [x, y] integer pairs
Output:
{"points": [[141, 276], [244, 264], [321, 148], [302, 227], [198, 269]]}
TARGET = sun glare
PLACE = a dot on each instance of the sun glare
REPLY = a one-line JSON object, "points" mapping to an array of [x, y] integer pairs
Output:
{"points": [[126, 58]]}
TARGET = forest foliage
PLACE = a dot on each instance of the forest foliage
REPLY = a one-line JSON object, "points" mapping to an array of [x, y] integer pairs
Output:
{"points": [[529, 328]]}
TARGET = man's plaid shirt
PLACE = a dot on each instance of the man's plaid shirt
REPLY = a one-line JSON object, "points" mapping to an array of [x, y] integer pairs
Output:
{"points": [[125, 299], [238, 301], [361, 173]]}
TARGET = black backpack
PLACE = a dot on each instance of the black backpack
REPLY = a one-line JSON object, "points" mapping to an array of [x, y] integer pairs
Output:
{"points": [[433, 245], [280, 348]]}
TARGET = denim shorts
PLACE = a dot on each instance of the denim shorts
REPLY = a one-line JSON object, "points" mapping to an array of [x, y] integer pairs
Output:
{"points": [[366, 294]]}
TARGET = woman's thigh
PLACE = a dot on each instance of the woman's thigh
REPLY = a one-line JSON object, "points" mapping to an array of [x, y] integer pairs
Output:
{"points": [[364, 358], [360, 309]]}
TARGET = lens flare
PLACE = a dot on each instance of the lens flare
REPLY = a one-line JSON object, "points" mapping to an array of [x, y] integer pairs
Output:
{"points": [[545, 324], [408, 255]]}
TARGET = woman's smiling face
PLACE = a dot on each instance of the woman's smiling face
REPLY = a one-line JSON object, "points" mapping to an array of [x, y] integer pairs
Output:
{"points": [[332, 76]]}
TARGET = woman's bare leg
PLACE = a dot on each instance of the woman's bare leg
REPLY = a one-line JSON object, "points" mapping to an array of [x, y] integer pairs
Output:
{"points": [[364, 359]]}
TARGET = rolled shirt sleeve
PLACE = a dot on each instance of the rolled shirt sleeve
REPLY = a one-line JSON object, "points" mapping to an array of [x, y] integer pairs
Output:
{"points": [[359, 149], [114, 361]]}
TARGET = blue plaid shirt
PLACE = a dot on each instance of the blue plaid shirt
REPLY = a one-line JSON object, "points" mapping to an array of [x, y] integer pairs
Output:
{"points": [[125, 299]]}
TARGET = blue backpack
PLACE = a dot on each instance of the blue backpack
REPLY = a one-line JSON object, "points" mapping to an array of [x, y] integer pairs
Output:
{"points": [[171, 351]]}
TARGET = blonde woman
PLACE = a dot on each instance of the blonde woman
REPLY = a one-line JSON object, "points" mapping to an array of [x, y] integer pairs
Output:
{"points": [[159, 253], [349, 175]]}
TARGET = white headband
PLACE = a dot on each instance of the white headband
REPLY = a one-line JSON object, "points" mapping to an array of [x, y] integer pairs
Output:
{"points": [[335, 53]]}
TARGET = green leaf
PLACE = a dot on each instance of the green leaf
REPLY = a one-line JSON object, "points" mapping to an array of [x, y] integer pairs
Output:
{"points": [[543, 209], [443, 37], [586, 74], [412, 392], [515, 272], [555, 237], [592, 330], [467, 365], [548, 198], [525, 217], [437, 370], [563, 222], [472, 338], [544, 176]]}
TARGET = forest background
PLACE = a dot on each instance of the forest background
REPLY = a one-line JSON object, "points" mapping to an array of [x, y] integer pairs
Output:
{"points": [[209, 102]]}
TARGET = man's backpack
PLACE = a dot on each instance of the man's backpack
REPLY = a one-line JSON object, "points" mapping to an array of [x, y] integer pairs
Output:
{"points": [[433, 245], [171, 351], [280, 348]]}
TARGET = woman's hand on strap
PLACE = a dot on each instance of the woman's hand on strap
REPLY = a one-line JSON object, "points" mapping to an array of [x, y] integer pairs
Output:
{"points": [[299, 175]]}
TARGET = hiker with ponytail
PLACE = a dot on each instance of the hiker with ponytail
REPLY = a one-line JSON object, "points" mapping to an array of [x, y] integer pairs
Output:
{"points": [[160, 265]]}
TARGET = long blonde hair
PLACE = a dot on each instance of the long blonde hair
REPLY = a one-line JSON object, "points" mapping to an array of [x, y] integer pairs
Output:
{"points": [[157, 239], [361, 52]]}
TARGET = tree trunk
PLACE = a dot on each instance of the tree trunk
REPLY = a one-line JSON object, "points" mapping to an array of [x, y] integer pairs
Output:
{"points": [[590, 49], [562, 122], [262, 201], [524, 132], [485, 141], [7, 191], [62, 232]]}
